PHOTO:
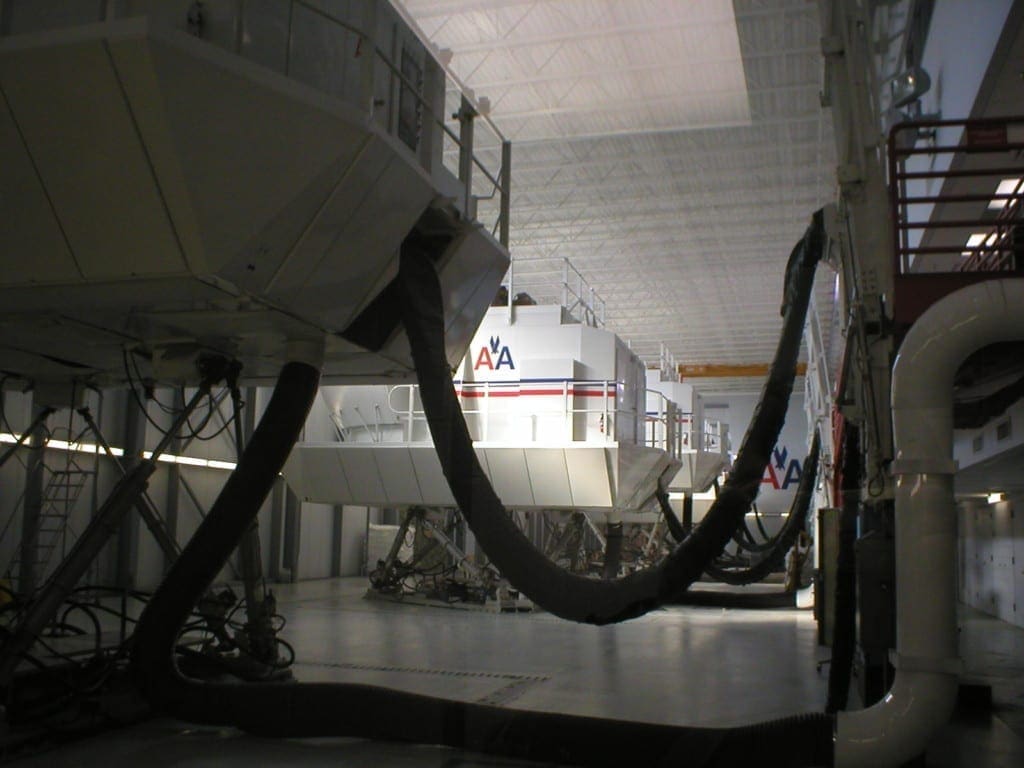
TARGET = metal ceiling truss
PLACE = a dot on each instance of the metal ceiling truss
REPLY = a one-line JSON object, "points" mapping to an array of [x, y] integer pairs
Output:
{"points": [[683, 230]]}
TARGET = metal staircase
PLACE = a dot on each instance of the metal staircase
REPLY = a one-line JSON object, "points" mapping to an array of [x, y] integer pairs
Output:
{"points": [[60, 494]]}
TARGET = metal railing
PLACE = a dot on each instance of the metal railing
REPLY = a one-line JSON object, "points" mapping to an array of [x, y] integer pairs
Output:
{"points": [[465, 114], [556, 281], [673, 430], [278, 46], [554, 417], [662, 425], [956, 202]]}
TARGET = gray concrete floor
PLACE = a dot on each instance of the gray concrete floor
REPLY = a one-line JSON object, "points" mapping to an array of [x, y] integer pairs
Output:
{"points": [[686, 666]]}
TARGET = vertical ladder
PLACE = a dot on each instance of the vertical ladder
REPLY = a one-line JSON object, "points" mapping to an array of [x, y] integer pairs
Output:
{"points": [[60, 494]]}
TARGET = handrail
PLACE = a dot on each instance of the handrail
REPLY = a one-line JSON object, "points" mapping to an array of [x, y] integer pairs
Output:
{"points": [[574, 293], [431, 51], [412, 87], [234, 42], [665, 416], [988, 240], [485, 418]]}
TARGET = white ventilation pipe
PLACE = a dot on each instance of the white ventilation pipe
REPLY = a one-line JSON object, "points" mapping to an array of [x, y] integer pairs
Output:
{"points": [[899, 727]]}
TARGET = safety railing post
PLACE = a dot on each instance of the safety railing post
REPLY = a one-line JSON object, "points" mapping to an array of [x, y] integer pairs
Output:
{"points": [[565, 282], [506, 193], [607, 414], [412, 411], [567, 412], [466, 116], [485, 416], [511, 288]]}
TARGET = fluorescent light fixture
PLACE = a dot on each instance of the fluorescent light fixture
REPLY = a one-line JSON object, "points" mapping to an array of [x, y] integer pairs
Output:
{"points": [[190, 461], [167, 458], [974, 241], [995, 498], [1006, 187], [63, 445]]}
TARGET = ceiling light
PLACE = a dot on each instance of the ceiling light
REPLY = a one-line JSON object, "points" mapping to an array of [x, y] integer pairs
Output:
{"points": [[995, 498], [974, 241], [1006, 187], [909, 86]]}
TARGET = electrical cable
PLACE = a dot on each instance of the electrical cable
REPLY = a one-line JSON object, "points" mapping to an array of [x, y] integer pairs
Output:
{"points": [[194, 433], [795, 524], [135, 395], [555, 590]]}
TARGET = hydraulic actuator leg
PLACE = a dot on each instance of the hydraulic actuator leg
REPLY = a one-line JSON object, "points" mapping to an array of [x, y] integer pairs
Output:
{"points": [[125, 494], [148, 512], [259, 637]]}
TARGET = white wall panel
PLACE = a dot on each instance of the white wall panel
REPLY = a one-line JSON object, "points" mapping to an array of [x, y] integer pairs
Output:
{"points": [[316, 541], [353, 539]]}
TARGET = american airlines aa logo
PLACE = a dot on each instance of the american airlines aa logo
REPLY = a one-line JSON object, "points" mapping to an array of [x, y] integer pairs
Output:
{"points": [[495, 356], [778, 468]]}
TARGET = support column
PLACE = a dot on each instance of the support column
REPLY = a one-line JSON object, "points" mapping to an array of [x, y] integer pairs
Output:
{"points": [[688, 512], [277, 504], [506, 196], [173, 481], [249, 557], [466, 115], [128, 531], [612, 550], [28, 575], [292, 534], [337, 537]]}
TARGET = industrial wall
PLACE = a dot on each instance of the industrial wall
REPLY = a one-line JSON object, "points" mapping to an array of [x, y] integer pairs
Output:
{"points": [[298, 540], [992, 557], [180, 492]]}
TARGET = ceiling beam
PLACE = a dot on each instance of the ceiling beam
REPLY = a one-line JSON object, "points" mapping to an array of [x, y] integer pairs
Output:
{"points": [[730, 370], [593, 73], [719, 136], [613, 32]]}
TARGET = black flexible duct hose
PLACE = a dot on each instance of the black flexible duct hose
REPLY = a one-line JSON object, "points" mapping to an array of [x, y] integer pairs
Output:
{"points": [[783, 542], [675, 527], [554, 589], [285, 709], [744, 539], [844, 630], [297, 710]]}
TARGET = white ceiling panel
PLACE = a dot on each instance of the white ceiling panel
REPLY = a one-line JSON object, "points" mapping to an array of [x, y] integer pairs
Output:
{"points": [[570, 68], [672, 151]]}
